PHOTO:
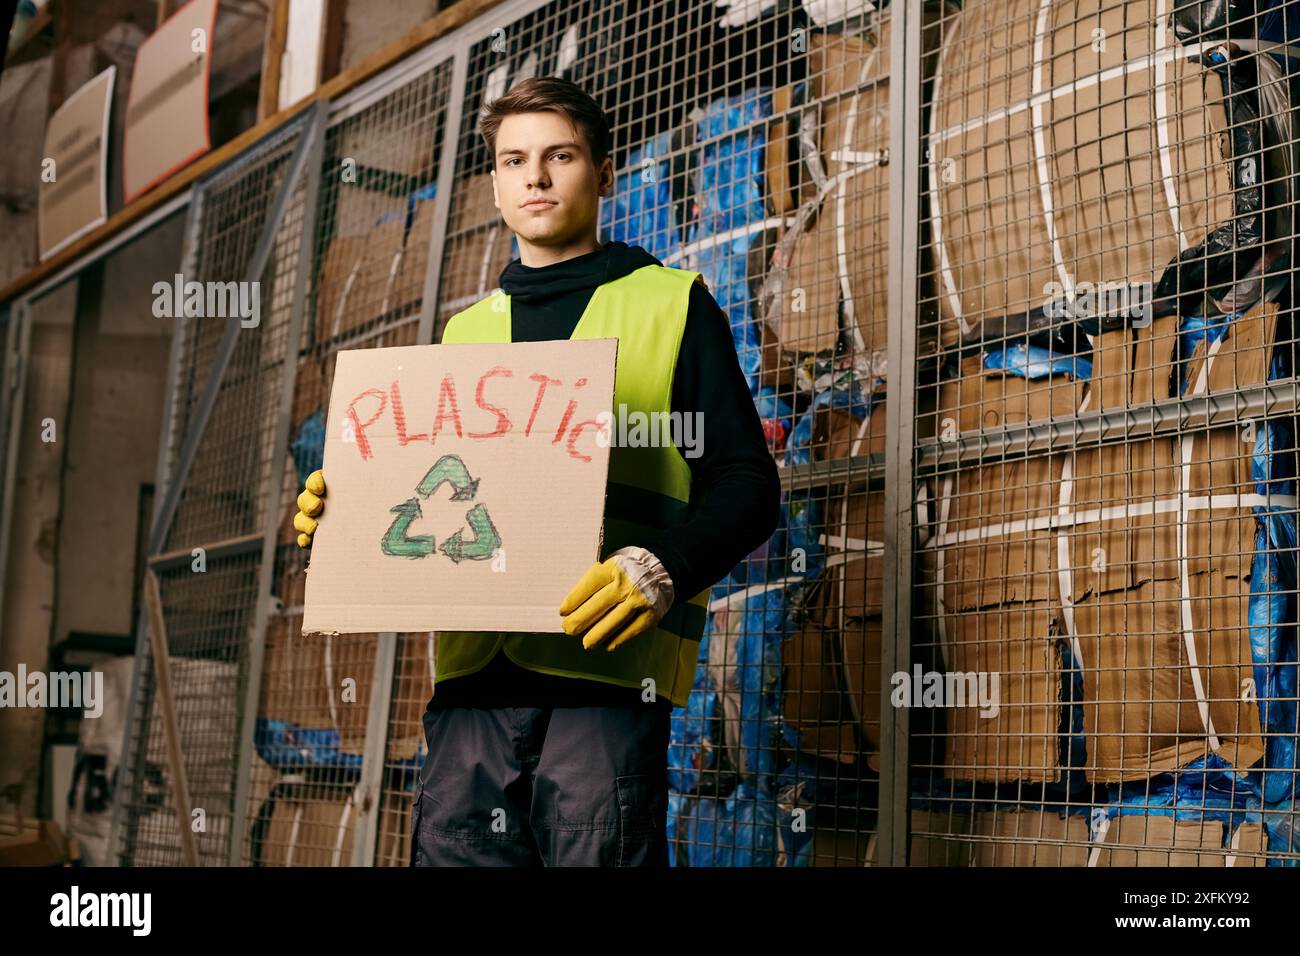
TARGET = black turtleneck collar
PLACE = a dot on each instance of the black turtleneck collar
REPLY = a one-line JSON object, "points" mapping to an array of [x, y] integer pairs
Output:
{"points": [[611, 261]]}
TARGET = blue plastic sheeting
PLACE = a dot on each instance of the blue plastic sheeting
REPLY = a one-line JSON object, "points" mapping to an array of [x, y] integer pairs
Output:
{"points": [[851, 398], [737, 831], [1034, 361], [1207, 789], [640, 212], [308, 446], [1194, 329], [729, 190], [287, 746], [805, 784], [691, 740]]}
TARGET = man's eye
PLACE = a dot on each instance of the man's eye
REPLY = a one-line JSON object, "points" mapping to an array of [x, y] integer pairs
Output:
{"points": [[559, 155]]}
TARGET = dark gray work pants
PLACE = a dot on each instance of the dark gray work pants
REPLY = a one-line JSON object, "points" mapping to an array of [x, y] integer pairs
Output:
{"points": [[543, 786]]}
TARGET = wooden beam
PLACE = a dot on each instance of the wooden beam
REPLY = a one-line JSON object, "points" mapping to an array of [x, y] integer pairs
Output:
{"points": [[449, 20], [171, 727], [331, 55], [277, 33]]}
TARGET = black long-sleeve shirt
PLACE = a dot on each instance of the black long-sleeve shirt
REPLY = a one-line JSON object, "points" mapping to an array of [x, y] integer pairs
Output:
{"points": [[735, 489]]}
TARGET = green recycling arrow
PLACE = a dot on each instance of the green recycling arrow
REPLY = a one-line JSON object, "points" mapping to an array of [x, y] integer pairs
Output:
{"points": [[395, 540], [449, 468], [485, 543]]}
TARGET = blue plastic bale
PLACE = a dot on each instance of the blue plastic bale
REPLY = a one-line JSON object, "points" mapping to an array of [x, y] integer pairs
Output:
{"points": [[640, 212], [308, 446], [730, 192], [693, 727], [737, 831]]}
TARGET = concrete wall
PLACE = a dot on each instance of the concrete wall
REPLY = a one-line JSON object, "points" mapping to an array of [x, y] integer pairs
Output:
{"points": [[117, 399], [29, 584]]}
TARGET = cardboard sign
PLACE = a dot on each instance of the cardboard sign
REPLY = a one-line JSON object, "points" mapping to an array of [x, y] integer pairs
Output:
{"points": [[74, 195], [167, 111], [465, 486]]}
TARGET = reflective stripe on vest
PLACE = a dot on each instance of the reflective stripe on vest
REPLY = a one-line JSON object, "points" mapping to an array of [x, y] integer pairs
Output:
{"points": [[649, 487]]}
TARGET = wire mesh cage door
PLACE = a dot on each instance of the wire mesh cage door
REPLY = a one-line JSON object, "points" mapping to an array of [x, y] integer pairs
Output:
{"points": [[238, 304]]}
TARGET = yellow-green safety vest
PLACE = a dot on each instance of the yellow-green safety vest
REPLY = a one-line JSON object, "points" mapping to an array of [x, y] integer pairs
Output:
{"points": [[648, 490]]}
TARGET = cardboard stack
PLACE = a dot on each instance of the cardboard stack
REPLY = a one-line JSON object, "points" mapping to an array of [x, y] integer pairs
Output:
{"points": [[308, 825], [1101, 206], [993, 579], [1154, 840], [358, 276], [832, 665], [848, 83], [1137, 553], [1156, 592], [852, 133], [479, 245]]}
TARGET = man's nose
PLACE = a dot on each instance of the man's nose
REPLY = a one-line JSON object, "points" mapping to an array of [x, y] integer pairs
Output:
{"points": [[537, 176]]}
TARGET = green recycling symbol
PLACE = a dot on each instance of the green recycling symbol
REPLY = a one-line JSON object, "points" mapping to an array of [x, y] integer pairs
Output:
{"points": [[486, 540]]}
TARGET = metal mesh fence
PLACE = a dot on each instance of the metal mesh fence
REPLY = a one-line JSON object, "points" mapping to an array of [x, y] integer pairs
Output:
{"points": [[1108, 527], [220, 470], [1013, 308]]}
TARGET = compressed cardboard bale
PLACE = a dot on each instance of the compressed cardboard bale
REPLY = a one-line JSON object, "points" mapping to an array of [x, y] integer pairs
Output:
{"points": [[310, 393], [396, 143], [479, 246], [856, 528], [816, 702], [938, 838], [1014, 736], [1161, 613], [1149, 706], [293, 677], [941, 838], [1129, 163], [309, 827], [837, 433], [843, 257], [995, 544], [325, 683], [833, 847], [1031, 838], [852, 132], [860, 653], [357, 279], [1248, 846], [1156, 840], [408, 288], [1118, 538]]}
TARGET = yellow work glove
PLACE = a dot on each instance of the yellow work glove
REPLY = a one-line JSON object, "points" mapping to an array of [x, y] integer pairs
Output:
{"points": [[309, 506], [625, 595]]}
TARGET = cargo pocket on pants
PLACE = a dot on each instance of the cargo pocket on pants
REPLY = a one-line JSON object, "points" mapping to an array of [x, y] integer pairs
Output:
{"points": [[641, 809]]}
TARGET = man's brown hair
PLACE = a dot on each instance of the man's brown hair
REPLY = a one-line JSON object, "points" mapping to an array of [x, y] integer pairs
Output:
{"points": [[542, 93]]}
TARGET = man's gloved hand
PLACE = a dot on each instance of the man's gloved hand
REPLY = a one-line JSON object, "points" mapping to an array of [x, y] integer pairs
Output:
{"points": [[625, 595], [309, 506]]}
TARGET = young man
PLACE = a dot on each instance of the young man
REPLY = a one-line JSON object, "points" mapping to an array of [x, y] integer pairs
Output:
{"points": [[550, 749]]}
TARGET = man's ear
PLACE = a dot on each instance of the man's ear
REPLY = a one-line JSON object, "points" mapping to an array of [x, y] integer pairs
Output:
{"points": [[605, 177], [495, 201]]}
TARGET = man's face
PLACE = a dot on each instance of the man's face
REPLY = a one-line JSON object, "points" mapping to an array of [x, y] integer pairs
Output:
{"points": [[544, 156]]}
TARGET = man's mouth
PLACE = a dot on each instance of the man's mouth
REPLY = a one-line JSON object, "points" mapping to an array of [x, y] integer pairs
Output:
{"points": [[538, 203]]}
